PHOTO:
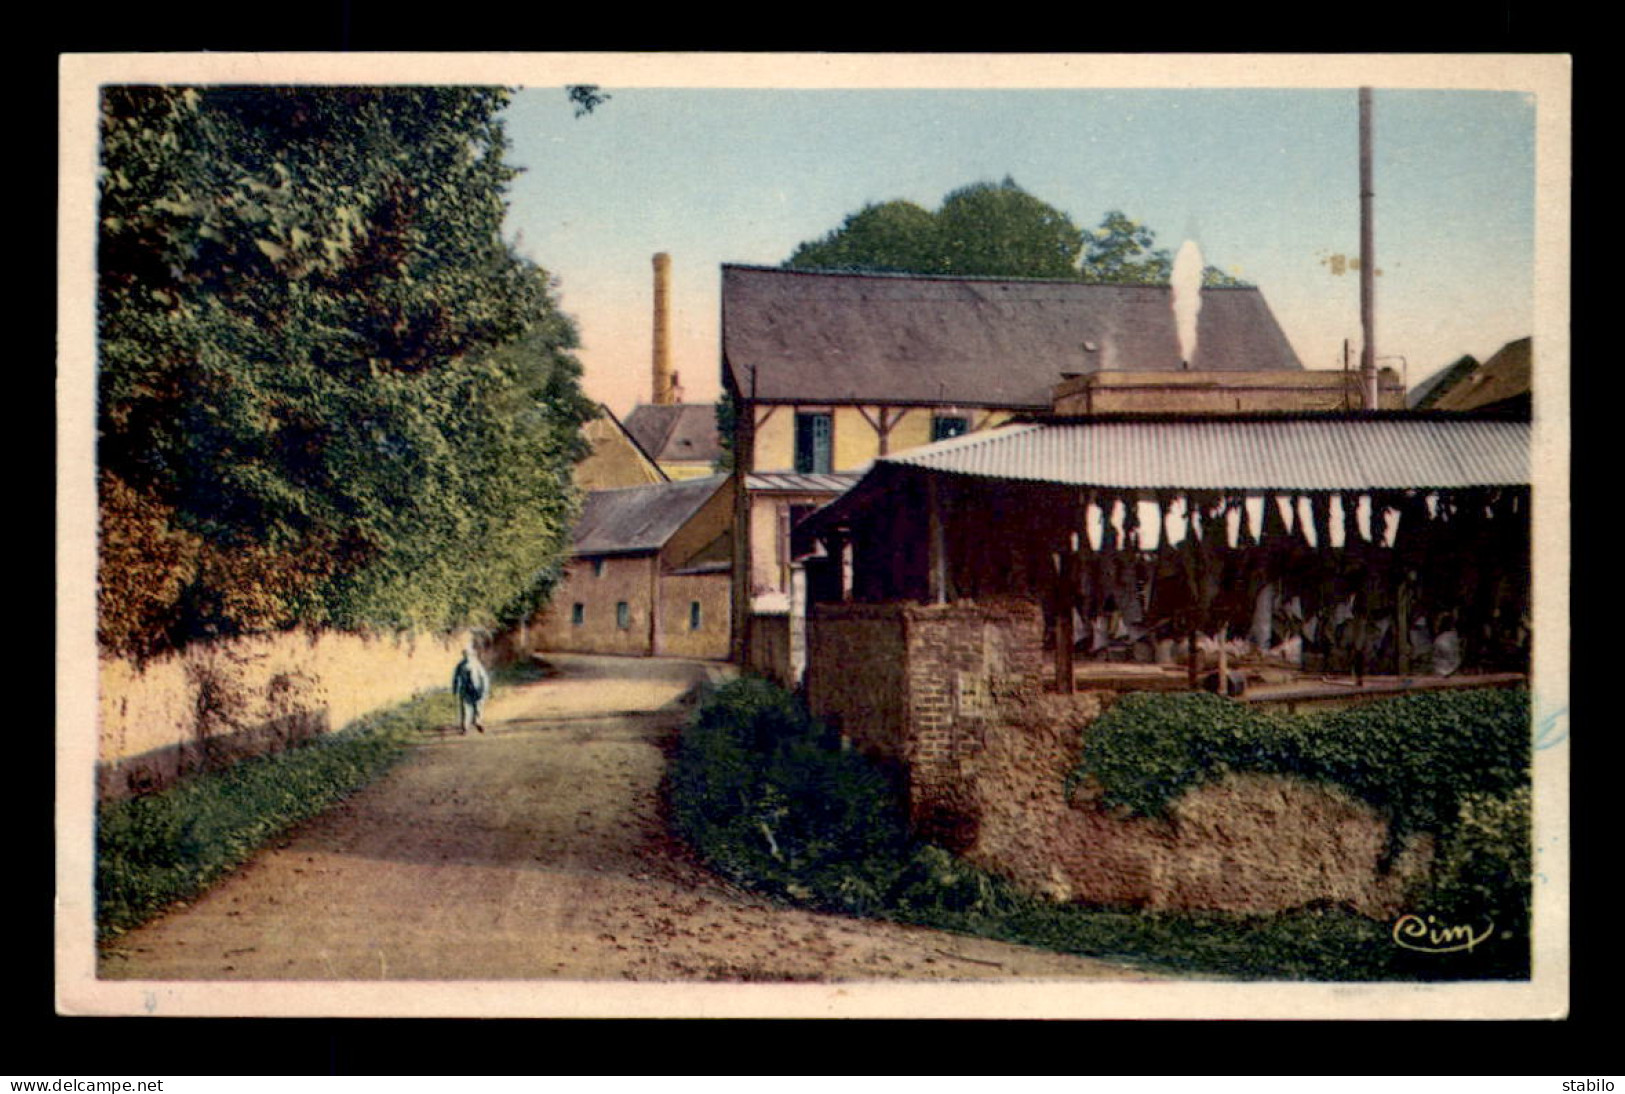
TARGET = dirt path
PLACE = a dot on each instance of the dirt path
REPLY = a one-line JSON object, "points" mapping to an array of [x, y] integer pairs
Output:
{"points": [[534, 851]]}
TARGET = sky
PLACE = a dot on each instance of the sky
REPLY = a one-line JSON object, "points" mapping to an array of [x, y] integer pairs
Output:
{"points": [[1265, 181]]}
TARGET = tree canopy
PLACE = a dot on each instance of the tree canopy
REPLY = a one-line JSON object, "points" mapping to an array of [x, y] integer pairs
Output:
{"points": [[993, 230], [329, 392]]}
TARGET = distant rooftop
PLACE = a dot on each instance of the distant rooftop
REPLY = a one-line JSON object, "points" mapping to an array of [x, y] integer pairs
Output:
{"points": [[677, 431], [854, 337], [636, 519]]}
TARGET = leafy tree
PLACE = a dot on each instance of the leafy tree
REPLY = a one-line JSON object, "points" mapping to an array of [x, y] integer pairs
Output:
{"points": [[895, 236], [326, 386], [586, 98], [727, 416], [1122, 252], [1003, 231], [994, 230]]}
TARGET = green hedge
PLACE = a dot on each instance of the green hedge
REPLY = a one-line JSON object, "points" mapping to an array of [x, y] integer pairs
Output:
{"points": [[1417, 757], [771, 799], [159, 848]]}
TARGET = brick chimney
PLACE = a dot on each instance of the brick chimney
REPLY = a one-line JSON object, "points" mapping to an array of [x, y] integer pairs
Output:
{"points": [[665, 382]]}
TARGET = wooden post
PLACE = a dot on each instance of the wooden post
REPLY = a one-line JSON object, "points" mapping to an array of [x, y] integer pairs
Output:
{"points": [[798, 624], [1066, 598], [937, 543], [1402, 636]]}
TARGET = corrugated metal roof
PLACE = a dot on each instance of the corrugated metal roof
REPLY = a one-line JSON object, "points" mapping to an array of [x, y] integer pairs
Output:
{"points": [[639, 518], [801, 482], [795, 335], [1298, 453]]}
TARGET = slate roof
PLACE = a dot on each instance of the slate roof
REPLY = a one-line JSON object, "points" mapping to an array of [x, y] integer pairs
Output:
{"points": [[636, 519], [1429, 391], [1305, 453], [845, 337], [1506, 376], [677, 431]]}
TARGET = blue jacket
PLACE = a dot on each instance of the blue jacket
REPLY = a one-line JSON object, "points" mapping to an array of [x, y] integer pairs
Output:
{"points": [[470, 680]]}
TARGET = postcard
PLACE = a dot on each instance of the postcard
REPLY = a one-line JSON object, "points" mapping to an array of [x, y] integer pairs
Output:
{"points": [[813, 535]]}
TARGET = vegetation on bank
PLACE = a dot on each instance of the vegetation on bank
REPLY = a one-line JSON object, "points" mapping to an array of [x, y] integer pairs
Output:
{"points": [[154, 850], [772, 801], [329, 392]]}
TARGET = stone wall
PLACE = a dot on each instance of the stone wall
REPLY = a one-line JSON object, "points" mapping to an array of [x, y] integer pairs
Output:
{"points": [[678, 636], [599, 586], [954, 699], [214, 703], [1246, 844]]}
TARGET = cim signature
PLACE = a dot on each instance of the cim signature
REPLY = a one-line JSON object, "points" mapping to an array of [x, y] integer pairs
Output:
{"points": [[1427, 936]]}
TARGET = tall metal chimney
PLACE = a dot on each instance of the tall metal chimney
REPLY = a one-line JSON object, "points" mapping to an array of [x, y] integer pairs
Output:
{"points": [[1368, 263], [664, 393]]}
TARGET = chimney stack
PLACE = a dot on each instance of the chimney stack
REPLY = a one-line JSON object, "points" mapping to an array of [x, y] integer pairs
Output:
{"points": [[1368, 263], [665, 384]]}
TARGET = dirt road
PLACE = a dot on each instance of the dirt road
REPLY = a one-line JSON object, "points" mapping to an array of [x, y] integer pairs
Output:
{"points": [[534, 851]]}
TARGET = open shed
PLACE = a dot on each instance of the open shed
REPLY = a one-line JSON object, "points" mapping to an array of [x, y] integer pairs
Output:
{"points": [[1242, 546]]}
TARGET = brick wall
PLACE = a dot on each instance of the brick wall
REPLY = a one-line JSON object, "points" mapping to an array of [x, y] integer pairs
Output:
{"points": [[953, 697], [856, 676]]}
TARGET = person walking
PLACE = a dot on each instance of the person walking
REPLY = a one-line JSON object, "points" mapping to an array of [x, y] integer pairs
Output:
{"points": [[472, 686]]}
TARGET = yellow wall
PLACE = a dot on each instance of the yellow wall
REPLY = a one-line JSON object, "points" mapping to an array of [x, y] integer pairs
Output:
{"points": [[910, 431], [337, 677], [857, 442], [615, 461], [775, 439], [687, 470], [766, 567], [713, 519]]}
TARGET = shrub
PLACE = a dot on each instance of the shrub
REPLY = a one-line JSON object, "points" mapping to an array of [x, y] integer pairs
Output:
{"points": [[1416, 757], [771, 799]]}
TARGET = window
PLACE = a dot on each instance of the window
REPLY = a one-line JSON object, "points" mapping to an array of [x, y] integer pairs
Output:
{"points": [[623, 615], [578, 614], [944, 426], [814, 449], [693, 615], [597, 567]]}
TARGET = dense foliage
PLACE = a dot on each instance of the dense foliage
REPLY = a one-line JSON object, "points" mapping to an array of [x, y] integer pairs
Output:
{"points": [[1415, 756], [988, 230], [772, 801], [1453, 763], [160, 848], [329, 392]]}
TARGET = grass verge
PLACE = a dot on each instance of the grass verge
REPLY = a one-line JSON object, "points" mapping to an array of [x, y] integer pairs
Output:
{"points": [[160, 848]]}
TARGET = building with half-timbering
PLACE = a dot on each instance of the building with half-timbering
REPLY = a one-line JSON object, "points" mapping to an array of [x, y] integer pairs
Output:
{"points": [[830, 371]]}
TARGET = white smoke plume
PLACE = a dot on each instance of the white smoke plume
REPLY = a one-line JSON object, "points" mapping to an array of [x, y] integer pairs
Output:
{"points": [[1187, 286]]}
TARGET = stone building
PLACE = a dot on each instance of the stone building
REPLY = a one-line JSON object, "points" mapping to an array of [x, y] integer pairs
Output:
{"points": [[647, 574]]}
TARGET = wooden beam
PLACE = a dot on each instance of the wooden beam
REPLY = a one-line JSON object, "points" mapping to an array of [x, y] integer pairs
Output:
{"points": [[1066, 599], [937, 546]]}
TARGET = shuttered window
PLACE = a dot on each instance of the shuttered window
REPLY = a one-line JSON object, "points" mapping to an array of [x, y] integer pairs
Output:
{"points": [[814, 447]]}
